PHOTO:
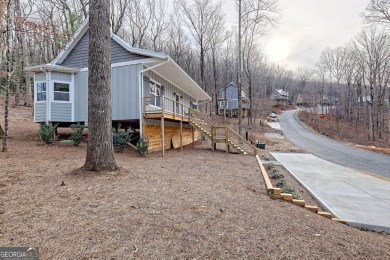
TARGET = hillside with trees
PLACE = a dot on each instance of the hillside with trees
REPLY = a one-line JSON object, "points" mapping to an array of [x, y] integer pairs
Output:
{"points": [[350, 81]]}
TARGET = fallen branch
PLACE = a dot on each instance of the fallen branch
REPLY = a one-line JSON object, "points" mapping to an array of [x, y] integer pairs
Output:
{"points": [[135, 248], [132, 146]]}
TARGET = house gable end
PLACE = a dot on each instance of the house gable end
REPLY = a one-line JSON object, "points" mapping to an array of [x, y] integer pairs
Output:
{"points": [[78, 56]]}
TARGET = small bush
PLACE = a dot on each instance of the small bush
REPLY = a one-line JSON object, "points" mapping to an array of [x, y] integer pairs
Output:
{"points": [[269, 167], [276, 175], [46, 132], [281, 183], [296, 195], [288, 189], [77, 135], [120, 140], [142, 146]]}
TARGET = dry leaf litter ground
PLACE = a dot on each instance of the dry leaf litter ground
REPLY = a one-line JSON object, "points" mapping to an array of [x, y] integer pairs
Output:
{"points": [[192, 204]]}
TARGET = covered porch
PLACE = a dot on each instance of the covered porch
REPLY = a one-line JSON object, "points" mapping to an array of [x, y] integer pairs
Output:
{"points": [[159, 107]]}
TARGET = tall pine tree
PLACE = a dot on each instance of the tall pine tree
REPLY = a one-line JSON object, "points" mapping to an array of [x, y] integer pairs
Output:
{"points": [[100, 152]]}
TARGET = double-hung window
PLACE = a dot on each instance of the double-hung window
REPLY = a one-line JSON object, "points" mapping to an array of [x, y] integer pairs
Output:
{"points": [[155, 90], [41, 91], [61, 91]]}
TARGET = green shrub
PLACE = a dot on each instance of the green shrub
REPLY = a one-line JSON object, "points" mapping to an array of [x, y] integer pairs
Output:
{"points": [[46, 132], [269, 166], [77, 134], [276, 175], [296, 195], [288, 189], [142, 146], [120, 140], [281, 183]]}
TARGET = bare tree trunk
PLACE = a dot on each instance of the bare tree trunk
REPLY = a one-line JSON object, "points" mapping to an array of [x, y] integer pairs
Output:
{"points": [[371, 119], [250, 83], [29, 95], [100, 152], [18, 53], [215, 74], [9, 60], [239, 71]]}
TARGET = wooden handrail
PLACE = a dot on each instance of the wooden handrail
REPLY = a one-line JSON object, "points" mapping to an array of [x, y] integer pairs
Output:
{"points": [[182, 107], [202, 117], [242, 138], [211, 128]]}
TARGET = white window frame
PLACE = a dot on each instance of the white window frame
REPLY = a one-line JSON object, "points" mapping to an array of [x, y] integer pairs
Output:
{"points": [[52, 91], [155, 93], [36, 91], [157, 88]]}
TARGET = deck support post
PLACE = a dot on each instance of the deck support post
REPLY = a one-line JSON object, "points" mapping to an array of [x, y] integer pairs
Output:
{"points": [[213, 143], [181, 129], [227, 139], [162, 126], [193, 136]]}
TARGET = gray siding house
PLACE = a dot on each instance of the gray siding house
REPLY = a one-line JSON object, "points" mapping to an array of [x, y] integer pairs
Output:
{"points": [[229, 100], [145, 85]]}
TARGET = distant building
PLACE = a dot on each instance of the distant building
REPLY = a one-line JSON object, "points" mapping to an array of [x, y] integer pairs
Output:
{"points": [[279, 95], [366, 99], [329, 100], [229, 100]]}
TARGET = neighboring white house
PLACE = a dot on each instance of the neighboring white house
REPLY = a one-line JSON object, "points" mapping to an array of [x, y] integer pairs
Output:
{"points": [[280, 95]]}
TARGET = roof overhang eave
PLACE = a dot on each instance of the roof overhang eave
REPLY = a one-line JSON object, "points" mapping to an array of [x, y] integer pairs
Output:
{"points": [[173, 73], [51, 68]]}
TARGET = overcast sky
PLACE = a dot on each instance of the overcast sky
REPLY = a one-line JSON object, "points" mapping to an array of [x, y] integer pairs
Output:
{"points": [[309, 26]]}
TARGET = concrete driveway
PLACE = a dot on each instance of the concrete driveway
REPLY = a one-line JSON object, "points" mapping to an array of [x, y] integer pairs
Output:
{"points": [[360, 199], [351, 183]]}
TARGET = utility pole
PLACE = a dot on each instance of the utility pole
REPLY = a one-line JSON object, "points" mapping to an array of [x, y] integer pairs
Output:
{"points": [[239, 71]]}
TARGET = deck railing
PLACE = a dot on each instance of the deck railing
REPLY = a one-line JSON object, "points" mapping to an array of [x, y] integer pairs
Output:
{"points": [[165, 105], [219, 134], [237, 139]]}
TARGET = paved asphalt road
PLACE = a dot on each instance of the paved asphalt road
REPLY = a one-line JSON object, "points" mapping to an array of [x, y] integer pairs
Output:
{"points": [[333, 151]]}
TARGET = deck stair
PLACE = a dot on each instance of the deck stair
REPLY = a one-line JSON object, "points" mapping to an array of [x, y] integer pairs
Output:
{"points": [[220, 134]]}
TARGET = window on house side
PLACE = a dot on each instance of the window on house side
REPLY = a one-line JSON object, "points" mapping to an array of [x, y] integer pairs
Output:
{"points": [[41, 91], [61, 91], [155, 90]]}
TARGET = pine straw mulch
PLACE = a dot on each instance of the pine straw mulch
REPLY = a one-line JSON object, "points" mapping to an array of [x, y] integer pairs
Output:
{"points": [[194, 204]]}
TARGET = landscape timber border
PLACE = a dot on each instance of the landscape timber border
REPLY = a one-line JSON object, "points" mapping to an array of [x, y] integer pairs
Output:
{"points": [[277, 194]]}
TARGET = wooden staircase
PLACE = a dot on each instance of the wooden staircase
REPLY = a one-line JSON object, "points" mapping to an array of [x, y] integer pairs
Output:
{"points": [[221, 134]]}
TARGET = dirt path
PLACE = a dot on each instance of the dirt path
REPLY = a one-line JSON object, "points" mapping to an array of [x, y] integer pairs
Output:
{"points": [[195, 204]]}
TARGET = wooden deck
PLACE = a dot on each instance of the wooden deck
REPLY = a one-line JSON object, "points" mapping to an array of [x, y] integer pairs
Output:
{"points": [[167, 116]]}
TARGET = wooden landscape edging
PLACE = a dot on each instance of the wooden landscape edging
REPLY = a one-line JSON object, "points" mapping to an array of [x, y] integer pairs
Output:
{"points": [[277, 194]]}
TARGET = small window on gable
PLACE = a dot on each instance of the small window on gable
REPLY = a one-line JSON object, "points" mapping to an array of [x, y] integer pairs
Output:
{"points": [[61, 91], [41, 91]]}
